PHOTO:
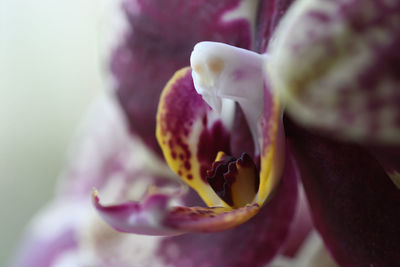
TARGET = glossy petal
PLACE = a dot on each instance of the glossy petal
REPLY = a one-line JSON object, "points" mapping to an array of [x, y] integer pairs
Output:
{"points": [[354, 204], [159, 44], [253, 243], [336, 65], [190, 134]]}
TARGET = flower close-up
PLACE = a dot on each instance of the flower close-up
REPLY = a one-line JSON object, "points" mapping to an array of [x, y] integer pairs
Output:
{"points": [[236, 133]]}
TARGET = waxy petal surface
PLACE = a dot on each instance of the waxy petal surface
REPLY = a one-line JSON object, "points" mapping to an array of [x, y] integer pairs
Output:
{"points": [[337, 66], [354, 204], [159, 44], [155, 216], [189, 135], [253, 243]]}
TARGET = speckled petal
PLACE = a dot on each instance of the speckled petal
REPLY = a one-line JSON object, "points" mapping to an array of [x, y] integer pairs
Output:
{"points": [[190, 134], [337, 66], [253, 243], [354, 204], [159, 43]]}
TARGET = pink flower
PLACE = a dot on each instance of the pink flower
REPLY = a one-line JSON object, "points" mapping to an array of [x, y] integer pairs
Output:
{"points": [[322, 93]]}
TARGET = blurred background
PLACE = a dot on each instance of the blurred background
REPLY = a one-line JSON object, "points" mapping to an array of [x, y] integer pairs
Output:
{"points": [[51, 69]]}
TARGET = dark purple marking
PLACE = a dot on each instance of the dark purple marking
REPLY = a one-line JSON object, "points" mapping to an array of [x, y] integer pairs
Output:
{"points": [[182, 97], [158, 44], [221, 176], [173, 155], [211, 141], [187, 165]]}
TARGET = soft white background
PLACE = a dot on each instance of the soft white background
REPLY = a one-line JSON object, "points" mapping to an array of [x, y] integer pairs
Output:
{"points": [[50, 70]]}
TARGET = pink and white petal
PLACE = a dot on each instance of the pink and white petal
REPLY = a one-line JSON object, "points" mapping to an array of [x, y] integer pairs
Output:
{"points": [[269, 14], [51, 235], [335, 64], [158, 44], [104, 150], [102, 246], [145, 217], [256, 242], [354, 204], [190, 134], [155, 215]]}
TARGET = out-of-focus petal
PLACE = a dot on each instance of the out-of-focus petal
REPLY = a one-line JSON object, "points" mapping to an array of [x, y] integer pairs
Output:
{"points": [[105, 247], [336, 65], [301, 227], [354, 204], [155, 216], [145, 217], [159, 44], [269, 14], [312, 253], [51, 235], [253, 243], [104, 150]]}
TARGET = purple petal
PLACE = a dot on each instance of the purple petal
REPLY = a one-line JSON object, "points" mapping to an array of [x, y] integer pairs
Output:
{"points": [[144, 217], [159, 43], [154, 216], [190, 140], [354, 204], [301, 227], [389, 157], [253, 243], [269, 14], [337, 67]]}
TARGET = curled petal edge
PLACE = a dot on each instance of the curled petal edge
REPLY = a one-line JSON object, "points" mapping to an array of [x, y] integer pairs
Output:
{"points": [[154, 216]]}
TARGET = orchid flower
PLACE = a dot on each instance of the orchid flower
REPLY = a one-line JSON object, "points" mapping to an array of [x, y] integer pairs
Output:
{"points": [[233, 127]]}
